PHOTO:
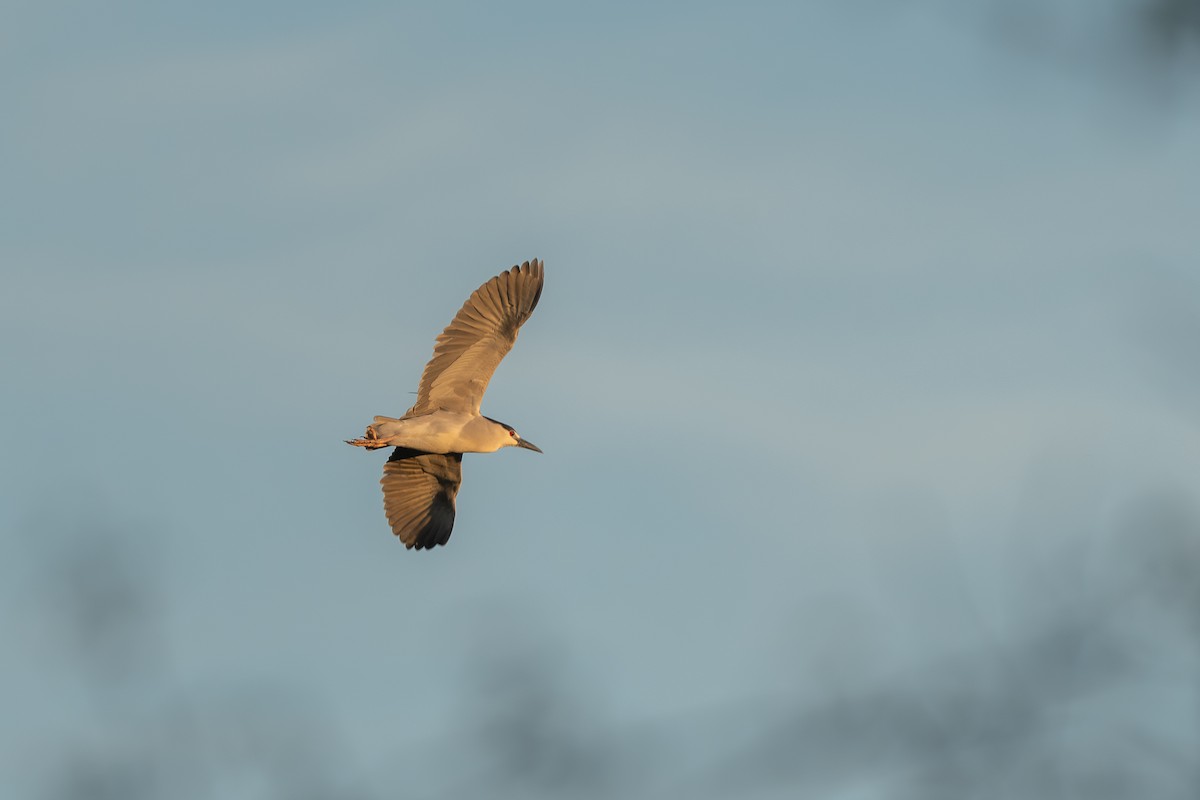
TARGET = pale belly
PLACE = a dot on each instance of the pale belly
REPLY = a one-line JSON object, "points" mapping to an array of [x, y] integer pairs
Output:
{"points": [[441, 432]]}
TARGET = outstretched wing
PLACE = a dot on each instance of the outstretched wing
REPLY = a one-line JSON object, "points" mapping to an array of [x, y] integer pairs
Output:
{"points": [[418, 495], [484, 330]]}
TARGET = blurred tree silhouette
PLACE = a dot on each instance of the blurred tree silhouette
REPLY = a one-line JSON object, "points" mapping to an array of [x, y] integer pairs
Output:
{"points": [[144, 735], [1071, 707], [1170, 25], [1149, 46]]}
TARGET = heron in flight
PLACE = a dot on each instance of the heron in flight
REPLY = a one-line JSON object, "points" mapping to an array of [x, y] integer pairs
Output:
{"points": [[421, 479]]}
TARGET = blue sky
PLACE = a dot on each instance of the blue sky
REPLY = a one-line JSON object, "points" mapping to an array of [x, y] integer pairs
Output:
{"points": [[855, 318]]}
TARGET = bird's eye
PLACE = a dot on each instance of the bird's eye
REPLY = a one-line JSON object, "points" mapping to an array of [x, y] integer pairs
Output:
{"points": [[512, 434]]}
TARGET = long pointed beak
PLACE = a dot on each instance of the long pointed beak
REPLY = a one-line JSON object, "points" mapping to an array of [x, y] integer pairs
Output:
{"points": [[528, 445]]}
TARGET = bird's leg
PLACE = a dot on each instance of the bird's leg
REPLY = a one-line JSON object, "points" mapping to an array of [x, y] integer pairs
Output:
{"points": [[370, 440], [370, 444]]}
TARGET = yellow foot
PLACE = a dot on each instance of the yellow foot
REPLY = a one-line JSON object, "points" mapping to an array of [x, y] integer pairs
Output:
{"points": [[370, 444]]}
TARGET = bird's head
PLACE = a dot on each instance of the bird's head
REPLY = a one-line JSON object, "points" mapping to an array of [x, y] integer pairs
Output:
{"points": [[513, 439]]}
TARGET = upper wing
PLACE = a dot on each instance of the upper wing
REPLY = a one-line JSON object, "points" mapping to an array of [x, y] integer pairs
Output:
{"points": [[418, 495], [484, 330]]}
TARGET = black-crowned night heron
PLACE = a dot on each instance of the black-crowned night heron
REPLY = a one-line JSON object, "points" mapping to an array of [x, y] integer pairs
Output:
{"points": [[421, 479]]}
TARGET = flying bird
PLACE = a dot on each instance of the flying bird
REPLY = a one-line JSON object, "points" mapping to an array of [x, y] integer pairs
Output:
{"points": [[422, 476]]}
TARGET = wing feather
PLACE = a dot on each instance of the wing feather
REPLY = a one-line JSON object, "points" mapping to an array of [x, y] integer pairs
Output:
{"points": [[418, 495], [468, 351]]}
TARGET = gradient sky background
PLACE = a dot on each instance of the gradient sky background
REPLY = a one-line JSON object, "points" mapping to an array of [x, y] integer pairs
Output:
{"points": [[865, 326]]}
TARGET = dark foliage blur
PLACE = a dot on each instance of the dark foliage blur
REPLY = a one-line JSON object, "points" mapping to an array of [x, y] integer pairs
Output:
{"points": [[1151, 46], [139, 733], [1170, 26], [1162, 27], [1069, 706]]}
